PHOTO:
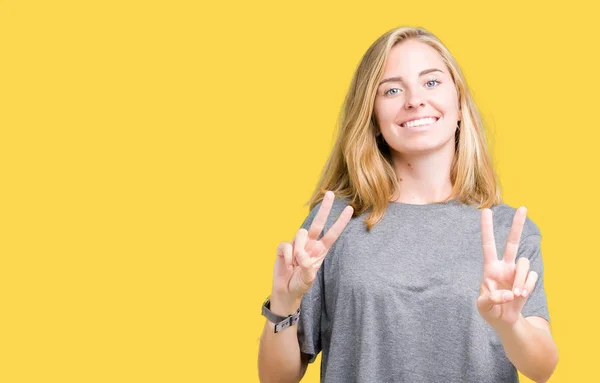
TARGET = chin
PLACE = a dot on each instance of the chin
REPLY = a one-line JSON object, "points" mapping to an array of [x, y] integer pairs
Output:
{"points": [[422, 145]]}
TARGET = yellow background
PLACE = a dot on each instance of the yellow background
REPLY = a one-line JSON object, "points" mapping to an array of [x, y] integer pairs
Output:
{"points": [[154, 153]]}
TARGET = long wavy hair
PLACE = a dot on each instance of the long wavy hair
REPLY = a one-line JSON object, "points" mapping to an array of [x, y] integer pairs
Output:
{"points": [[359, 167]]}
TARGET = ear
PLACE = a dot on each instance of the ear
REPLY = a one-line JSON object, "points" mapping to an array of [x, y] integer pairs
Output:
{"points": [[459, 115]]}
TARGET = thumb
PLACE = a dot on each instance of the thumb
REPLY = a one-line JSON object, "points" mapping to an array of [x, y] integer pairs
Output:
{"points": [[308, 271], [489, 299]]}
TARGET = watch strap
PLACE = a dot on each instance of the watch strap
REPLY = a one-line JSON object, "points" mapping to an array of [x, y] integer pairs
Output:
{"points": [[281, 322]]}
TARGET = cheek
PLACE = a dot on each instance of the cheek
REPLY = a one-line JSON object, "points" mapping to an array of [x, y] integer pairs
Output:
{"points": [[448, 107], [450, 103], [385, 113]]}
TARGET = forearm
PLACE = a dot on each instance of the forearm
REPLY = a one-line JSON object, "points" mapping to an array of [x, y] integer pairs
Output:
{"points": [[279, 353], [531, 349]]}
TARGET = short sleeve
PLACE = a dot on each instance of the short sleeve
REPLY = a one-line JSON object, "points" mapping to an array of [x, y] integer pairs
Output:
{"points": [[536, 304], [309, 324]]}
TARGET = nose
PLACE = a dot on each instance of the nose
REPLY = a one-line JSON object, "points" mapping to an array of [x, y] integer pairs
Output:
{"points": [[413, 99]]}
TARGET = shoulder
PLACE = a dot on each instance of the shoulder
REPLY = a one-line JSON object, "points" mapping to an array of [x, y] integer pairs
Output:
{"points": [[503, 215]]}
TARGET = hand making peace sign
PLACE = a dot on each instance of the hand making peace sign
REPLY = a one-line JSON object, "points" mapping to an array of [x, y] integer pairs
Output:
{"points": [[298, 261], [506, 284]]}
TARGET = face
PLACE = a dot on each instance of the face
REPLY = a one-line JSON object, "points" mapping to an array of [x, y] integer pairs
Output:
{"points": [[416, 107]]}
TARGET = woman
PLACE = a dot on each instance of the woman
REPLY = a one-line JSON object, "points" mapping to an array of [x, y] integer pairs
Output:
{"points": [[399, 279]]}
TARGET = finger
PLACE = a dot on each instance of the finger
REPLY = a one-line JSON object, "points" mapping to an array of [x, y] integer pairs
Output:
{"points": [[320, 219], [293, 243], [286, 250], [532, 278], [300, 241], [520, 275], [491, 284], [304, 259], [336, 229], [514, 235], [487, 237], [486, 301], [308, 272]]}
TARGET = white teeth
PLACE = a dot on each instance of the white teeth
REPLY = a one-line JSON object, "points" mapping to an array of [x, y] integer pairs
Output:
{"points": [[420, 122]]}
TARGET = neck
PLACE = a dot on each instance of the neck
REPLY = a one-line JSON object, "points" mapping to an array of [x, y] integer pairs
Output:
{"points": [[423, 178]]}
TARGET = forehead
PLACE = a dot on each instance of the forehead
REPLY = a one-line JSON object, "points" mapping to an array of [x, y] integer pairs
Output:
{"points": [[411, 57]]}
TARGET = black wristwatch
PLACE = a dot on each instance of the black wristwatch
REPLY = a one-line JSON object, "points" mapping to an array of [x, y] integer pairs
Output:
{"points": [[281, 323]]}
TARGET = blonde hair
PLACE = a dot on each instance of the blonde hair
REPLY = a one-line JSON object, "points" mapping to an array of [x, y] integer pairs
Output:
{"points": [[360, 169]]}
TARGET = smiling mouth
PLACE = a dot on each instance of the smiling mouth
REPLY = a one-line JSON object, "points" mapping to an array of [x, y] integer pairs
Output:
{"points": [[420, 122]]}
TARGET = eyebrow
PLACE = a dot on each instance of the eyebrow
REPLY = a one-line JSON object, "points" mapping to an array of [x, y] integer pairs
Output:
{"points": [[398, 78]]}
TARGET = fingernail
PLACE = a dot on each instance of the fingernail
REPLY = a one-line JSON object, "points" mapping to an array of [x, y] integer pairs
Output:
{"points": [[517, 291], [524, 293]]}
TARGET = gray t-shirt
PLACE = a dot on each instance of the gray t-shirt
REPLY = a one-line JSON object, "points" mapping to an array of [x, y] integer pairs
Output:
{"points": [[398, 304]]}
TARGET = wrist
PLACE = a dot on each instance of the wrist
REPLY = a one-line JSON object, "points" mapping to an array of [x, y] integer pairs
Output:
{"points": [[284, 304], [504, 328]]}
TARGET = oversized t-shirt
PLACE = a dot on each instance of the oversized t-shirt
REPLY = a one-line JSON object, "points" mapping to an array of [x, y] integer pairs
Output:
{"points": [[398, 303]]}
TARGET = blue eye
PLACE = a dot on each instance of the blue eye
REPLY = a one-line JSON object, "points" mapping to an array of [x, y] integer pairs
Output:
{"points": [[430, 81], [387, 92]]}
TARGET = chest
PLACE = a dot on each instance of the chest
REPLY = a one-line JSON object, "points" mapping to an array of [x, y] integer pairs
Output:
{"points": [[418, 262]]}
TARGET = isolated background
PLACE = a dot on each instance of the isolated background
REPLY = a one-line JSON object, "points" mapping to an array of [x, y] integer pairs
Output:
{"points": [[154, 153]]}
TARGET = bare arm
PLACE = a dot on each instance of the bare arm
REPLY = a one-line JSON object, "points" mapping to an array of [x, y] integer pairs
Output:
{"points": [[279, 357], [504, 290], [296, 267], [530, 347]]}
